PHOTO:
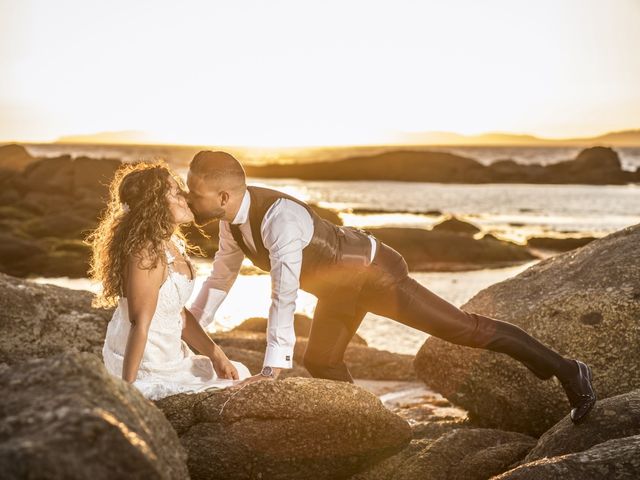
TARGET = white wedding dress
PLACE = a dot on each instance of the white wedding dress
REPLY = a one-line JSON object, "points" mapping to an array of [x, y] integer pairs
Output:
{"points": [[168, 365]]}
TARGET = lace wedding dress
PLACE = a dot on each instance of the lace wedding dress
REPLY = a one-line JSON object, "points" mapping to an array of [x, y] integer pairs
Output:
{"points": [[168, 365]]}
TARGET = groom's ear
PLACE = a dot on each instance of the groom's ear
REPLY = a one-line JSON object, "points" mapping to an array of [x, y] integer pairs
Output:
{"points": [[224, 198]]}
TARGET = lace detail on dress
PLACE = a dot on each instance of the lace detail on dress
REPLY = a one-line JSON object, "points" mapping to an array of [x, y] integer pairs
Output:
{"points": [[182, 284]]}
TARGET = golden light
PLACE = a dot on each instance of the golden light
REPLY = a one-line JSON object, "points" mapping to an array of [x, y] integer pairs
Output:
{"points": [[331, 73]]}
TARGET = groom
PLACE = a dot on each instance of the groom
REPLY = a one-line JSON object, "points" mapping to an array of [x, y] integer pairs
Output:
{"points": [[350, 272]]}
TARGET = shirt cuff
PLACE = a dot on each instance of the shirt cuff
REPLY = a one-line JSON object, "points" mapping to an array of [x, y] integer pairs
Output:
{"points": [[280, 357], [205, 315]]}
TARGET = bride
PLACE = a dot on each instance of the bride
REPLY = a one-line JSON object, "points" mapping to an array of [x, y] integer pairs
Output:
{"points": [[141, 258]]}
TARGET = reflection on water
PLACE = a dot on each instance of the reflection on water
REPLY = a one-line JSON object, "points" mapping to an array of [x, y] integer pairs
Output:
{"points": [[410, 220], [251, 297]]}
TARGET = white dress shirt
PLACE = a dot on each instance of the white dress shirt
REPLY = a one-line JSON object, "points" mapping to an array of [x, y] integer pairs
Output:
{"points": [[286, 229]]}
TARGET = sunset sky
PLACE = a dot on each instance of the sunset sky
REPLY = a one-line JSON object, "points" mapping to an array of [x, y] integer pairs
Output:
{"points": [[312, 73]]}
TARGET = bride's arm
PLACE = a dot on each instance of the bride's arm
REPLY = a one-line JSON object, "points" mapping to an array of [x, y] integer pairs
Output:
{"points": [[196, 337], [142, 286], [194, 334]]}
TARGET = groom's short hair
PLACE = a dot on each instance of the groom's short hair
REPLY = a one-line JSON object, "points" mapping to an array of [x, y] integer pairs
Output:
{"points": [[220, 168]]}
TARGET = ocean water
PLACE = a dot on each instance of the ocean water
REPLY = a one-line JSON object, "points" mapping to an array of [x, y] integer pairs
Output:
{"points": [[511, 211]]}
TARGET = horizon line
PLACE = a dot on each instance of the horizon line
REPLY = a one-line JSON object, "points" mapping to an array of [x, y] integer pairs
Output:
{"points": [[531, 141]]}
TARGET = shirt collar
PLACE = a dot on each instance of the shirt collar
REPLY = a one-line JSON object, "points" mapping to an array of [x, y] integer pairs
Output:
{"points": [[243, 211]]}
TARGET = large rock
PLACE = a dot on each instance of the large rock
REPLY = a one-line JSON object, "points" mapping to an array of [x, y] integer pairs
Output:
{"points": [[584, 304], [613, 417], [612, 460], [52, 199], [466, 453], [14, 158], [17, 252], [43, 320], [444, 250], [66, 417], [388, 468], [67, 175], [392, 165], [292, 428], [59, 225], [558, 244], [454, 224]]}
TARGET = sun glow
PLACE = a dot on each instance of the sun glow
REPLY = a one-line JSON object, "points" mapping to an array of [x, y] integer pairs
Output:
{"points": [[328, 73]]}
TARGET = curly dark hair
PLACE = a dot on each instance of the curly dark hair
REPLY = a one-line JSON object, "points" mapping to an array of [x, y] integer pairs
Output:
{"points": [[137, 218]]}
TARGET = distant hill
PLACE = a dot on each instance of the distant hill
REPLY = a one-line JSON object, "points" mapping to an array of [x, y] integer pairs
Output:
{"points": [[625, 138], [117, 137]]}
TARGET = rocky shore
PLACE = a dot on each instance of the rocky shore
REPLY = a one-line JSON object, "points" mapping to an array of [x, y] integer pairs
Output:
{"points": [[48, 206], [63, 416], [593, 166]]}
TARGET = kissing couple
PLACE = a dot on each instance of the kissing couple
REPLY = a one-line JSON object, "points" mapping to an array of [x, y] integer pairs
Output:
{"points": [[142, 259]]}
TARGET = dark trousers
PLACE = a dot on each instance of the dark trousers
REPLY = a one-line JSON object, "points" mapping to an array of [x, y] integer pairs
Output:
{"points": [[390, 292]]}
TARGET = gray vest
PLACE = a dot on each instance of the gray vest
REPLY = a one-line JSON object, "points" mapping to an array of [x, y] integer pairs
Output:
{"points": [[334, 263]]}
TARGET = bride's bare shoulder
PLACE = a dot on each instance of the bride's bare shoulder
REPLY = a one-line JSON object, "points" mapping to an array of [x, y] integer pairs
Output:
{"points": [[148, 264]]}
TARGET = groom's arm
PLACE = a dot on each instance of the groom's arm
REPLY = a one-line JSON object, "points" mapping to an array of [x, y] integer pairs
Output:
{"points": [[286, 230], [226, 265]]}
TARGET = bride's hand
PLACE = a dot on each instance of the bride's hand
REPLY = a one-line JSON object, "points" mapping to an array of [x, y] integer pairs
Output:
{"points": [[256, 378], [223, 367]]}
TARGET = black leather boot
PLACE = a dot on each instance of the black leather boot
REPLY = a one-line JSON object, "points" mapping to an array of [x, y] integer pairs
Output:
{"points": [[505, 337], [580, 392]]}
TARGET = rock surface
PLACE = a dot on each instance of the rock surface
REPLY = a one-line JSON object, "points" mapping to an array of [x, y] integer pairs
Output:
{"points": [[42, 320], [584, 304], [612, 460], [46, 204], [466, 453], [66, 418], [454, 224], [14, 158], [613, 417], [559, 244], [428, 413], [444, 250], [291, 428]]}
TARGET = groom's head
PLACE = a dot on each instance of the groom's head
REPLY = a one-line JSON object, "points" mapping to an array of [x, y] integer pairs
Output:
{"points": [[217, 183]]}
